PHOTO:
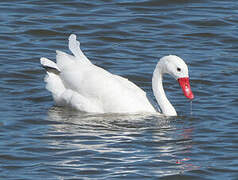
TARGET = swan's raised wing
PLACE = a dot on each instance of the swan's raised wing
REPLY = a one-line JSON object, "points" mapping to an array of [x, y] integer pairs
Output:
{"points": [[74, 47], [65, 60]]}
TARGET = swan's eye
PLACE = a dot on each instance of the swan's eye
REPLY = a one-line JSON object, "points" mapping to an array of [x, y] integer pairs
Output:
{"points": [[178, 69]]}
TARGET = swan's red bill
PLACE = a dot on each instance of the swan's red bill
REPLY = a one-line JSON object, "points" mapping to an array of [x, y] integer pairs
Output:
{"points": [[185, 85]]}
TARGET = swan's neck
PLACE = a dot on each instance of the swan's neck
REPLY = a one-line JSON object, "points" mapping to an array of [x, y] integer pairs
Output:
{"points": [[158, 90]]}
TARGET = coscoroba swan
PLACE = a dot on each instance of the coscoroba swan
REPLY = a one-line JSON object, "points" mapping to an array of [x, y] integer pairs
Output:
{"points": [[74, 81]]}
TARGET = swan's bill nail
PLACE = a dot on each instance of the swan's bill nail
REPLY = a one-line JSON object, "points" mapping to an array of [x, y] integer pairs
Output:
{"points": [[185, 85]]}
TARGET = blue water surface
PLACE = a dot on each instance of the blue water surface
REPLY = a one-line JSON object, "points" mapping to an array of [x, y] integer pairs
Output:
{"points": [[41, 141]]}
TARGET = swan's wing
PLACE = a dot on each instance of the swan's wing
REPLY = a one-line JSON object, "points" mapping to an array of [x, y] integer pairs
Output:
{"points": [[65, 60], [74, 47], [135, 91], [93, 81], [130, 85], [105, 91]]}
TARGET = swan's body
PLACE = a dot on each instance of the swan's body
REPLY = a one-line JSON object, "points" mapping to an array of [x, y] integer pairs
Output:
{"points": [[74, 81]]}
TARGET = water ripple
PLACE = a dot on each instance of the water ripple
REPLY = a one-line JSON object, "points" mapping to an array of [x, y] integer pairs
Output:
{"points": [[41, 141]]}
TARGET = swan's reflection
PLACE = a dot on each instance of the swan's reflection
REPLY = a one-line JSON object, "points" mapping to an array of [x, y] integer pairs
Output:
{"points": [[113, 121], [155, 140]]}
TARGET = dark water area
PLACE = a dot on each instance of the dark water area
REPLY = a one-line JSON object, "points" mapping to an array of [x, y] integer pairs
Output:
{"points": [[126, 37]]}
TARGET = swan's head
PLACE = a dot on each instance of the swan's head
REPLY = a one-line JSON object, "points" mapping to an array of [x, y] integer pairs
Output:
{"points": [[177, 68]]}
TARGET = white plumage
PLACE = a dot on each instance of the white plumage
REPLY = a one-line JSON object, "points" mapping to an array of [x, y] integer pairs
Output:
{"points": [[74, 81]]}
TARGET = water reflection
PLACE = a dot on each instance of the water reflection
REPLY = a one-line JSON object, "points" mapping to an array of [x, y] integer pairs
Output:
{"points": [[126, 37], [152, 141]]}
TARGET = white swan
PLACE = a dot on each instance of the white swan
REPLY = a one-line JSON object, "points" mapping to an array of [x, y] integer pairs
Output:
{"points": [[74, 81]]}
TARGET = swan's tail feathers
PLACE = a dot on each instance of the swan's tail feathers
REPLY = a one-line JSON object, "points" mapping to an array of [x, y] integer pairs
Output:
{"points": [[53, 81], [49, 66], [74, 47]]}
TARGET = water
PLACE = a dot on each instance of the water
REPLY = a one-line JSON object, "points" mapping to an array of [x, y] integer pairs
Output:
{"points": [[40, 141]]}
